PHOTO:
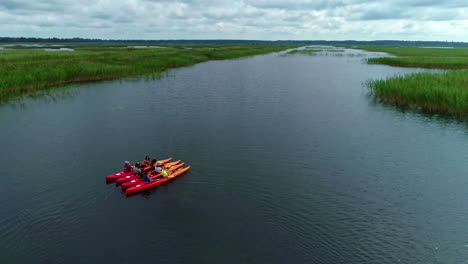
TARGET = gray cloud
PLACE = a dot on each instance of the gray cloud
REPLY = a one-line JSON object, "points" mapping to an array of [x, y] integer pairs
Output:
{"points": [[384, 14], [33, 6], [243, 19], [434, 3]]}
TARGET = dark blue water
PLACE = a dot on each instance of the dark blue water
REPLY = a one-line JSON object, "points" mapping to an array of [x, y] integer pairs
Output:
{"points": [[292, 162]]}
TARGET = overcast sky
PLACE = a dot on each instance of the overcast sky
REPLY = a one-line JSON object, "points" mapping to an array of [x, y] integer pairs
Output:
{"points": [[247, 19]]}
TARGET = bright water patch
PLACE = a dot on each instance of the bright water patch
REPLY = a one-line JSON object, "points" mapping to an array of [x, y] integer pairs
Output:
{"points": [[320, 47], [61, 49], [147, 47]]}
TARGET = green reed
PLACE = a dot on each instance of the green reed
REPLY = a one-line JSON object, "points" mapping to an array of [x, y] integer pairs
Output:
{"points": [[27, 71], [432, 92]]}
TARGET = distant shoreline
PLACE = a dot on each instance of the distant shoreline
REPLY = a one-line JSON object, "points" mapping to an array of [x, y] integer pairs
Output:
{"points": [[234, 41]]}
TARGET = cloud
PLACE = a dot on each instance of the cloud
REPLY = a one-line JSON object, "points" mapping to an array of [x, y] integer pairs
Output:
{"points": [[240, 19]]}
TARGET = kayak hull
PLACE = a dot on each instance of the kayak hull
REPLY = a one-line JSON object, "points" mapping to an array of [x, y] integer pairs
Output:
{"points": [[131, 183], [125, 179], [137, 180], [146, 186], [115, 176]]}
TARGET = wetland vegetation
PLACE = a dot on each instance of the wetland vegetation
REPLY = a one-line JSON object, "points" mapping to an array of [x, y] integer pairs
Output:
{"points": [[432, 58], [445, 92], [30, 70]]}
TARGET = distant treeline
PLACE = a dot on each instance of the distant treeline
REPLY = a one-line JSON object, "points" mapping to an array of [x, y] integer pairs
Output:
{"points": [[233, 41]]}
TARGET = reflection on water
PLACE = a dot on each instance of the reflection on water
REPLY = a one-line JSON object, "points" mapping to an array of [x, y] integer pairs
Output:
{"points": [[49, 95], [330, 51], [415, 110], [57, 93]]}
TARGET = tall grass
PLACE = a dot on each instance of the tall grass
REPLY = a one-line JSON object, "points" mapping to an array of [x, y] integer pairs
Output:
{"points": [[424, 62], [456, 58], [435, 93], [432, 92], [27, 71]]}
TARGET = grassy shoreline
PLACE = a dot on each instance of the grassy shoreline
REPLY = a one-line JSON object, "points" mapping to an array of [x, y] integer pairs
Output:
{"points": [[28, 71], [415, 57], [445, 93]]}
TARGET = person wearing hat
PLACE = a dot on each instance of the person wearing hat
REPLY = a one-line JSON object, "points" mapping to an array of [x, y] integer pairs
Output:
{"points": [[127, 167]]}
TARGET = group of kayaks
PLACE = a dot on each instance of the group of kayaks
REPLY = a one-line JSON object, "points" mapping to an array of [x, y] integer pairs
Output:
{"points": [[132, 183]]}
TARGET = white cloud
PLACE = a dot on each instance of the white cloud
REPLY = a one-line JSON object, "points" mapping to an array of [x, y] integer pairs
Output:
{"points": [[239, 19]]}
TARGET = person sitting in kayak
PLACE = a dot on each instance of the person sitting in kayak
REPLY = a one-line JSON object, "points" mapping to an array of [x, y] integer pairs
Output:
{"points": [[127, 167], [136, 169], [158, 168], [165, 173], [146, 177], [147, 160], [153, 165]]}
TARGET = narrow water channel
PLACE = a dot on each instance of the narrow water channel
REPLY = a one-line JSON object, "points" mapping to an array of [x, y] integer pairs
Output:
{"points": [[292, 162]]}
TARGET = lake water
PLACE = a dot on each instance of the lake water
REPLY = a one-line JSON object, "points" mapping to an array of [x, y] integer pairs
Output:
{"points": [[60, 49], [292, 162]]}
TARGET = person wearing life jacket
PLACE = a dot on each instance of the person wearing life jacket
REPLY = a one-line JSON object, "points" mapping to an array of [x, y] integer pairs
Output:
{"points": [[146, 177], [165, 173], [158, 168], [136, 169], [127, 167]]}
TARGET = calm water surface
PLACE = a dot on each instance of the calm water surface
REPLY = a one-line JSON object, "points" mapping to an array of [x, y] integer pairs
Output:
{"points": [[292, 162]]}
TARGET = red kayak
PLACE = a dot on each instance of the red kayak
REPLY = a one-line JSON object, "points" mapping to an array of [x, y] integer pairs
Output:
{"points": [[148, 185], [117, 175], [136, 181], [133, 177]]}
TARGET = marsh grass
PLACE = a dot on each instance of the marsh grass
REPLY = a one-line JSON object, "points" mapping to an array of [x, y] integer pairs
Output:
{"points": [[445, 93], [432, 92], [26, 71], [432, 58], [424, 62]]}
